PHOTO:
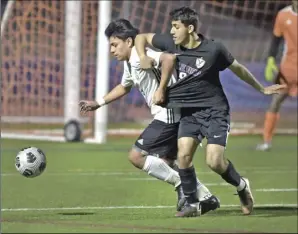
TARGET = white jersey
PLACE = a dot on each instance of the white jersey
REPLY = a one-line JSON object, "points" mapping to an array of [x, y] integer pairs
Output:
{"points": [[147, 81]]}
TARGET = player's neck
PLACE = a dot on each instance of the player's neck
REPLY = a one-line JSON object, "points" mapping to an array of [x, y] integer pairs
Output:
{"points": [[129, 54], [193, 42]]}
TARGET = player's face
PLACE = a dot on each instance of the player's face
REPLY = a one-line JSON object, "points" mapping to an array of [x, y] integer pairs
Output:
{"points": [[120, 49], [180, 32]]}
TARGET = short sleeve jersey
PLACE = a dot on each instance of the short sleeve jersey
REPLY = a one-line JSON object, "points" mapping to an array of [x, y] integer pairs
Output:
{"points": [[197, 69], [147, 81]]}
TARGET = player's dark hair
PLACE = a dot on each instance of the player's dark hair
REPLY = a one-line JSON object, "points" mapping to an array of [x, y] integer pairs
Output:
{"points": [[122, 29], [186, 15]]}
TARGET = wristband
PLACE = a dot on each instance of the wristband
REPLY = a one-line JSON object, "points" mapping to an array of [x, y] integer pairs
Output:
{"points": [[101, 102]]}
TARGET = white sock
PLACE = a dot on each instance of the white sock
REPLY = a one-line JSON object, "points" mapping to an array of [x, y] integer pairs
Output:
{"points": [[203, 191], [159, 169], [242, 185]]}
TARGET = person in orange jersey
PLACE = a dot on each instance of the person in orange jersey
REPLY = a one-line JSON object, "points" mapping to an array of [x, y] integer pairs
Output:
{"points": [[285, 27]]}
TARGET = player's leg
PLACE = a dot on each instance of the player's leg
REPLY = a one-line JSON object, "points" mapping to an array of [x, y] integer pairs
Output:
{"points": [[272, 117], [146, 150], [189, 138], [217, 136], [155, 152]]}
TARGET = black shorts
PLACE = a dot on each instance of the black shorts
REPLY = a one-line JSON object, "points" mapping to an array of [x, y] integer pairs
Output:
{"points": [[199, 123], [159, 139]]}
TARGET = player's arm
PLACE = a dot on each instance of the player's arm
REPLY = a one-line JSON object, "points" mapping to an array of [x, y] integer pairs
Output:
{"points": [[141, 42], [244, 74], [167, 67], [159, 41], [226, 60], [166, 63], [117, 92]]}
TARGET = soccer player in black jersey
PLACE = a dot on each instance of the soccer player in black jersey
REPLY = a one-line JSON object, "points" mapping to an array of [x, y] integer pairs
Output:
{"points": [[199, 94]]}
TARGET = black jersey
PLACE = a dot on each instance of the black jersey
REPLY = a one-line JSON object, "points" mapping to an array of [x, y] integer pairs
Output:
{"points": [[197, 70]]}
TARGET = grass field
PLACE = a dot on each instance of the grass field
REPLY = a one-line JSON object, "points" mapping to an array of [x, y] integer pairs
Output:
{"points": [[93, 188]]}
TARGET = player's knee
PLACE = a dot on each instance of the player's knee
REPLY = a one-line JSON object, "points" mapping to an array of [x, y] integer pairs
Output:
{"points": [[276, 102], [215, 158], [136, 158], [186, 149], [168, 161], [184, 157], [274, 107]]}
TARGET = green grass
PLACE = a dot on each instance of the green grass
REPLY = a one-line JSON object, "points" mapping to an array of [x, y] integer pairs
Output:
{"points": [[74, 178]]}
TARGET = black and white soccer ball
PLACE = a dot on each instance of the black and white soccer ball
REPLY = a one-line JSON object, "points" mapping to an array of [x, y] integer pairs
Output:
{"points": [[31, 162]]}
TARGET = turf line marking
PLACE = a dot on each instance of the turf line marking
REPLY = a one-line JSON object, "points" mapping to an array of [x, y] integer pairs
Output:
{"points": [[132, 207], [222, 184], [277, 190], [138, 173]]}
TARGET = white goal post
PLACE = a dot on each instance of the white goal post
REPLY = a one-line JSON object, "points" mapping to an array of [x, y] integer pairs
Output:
{"points": [[102, 72]]}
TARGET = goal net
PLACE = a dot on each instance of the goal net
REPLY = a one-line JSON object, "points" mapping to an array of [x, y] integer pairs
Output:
{"points": [[37, 88]]}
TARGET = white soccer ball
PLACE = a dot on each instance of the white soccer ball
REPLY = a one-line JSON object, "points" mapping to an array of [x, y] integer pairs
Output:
{"points": [[31, 162]]}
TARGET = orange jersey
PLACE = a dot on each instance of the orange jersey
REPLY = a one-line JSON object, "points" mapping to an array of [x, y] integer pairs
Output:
{"points": [[286, 26]]}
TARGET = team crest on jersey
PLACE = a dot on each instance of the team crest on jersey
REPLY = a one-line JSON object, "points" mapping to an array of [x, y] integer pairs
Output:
{"points": [[200, 62]]}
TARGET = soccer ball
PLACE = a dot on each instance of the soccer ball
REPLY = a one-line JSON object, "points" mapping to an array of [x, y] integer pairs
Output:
{"points": [[30, 162]]}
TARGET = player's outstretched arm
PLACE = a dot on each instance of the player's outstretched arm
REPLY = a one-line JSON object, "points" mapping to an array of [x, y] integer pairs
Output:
{"points": [[244, 74], [116, 93]]}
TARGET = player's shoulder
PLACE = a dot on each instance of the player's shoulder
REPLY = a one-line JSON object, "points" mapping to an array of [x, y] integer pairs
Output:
{"points": [[209, 41], [214, 43], [135, 58], [285, 11]]}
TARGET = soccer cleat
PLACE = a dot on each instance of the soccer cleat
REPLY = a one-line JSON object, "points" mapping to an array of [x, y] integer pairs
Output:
{"points": [[203, 195], [181, 199], [263, 147], [212, 203], [181, 203], [246, 198], [190, 210]]}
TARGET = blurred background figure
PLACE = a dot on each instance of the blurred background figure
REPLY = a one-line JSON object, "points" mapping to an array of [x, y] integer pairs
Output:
{"points": [[285, 27]]}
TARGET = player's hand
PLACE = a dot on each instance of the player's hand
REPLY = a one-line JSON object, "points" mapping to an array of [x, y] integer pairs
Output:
{"points": [[271, 69], [159, 97], [86, 106], [275, 89], [147, 62]]}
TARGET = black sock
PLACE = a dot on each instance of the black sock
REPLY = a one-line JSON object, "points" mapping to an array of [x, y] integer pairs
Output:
{"points": [[189, 184], [231, 175]]}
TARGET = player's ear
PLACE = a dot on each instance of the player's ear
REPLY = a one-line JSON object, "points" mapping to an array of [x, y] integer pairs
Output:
{"points": [[191, 28], [129, 42]]}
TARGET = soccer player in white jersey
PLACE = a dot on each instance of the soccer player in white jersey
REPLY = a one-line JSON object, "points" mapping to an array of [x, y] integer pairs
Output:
{"points": [[156, 148]]}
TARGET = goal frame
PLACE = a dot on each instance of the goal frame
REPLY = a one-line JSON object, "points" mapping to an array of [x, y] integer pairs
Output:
{"points": [[72, 73]]}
